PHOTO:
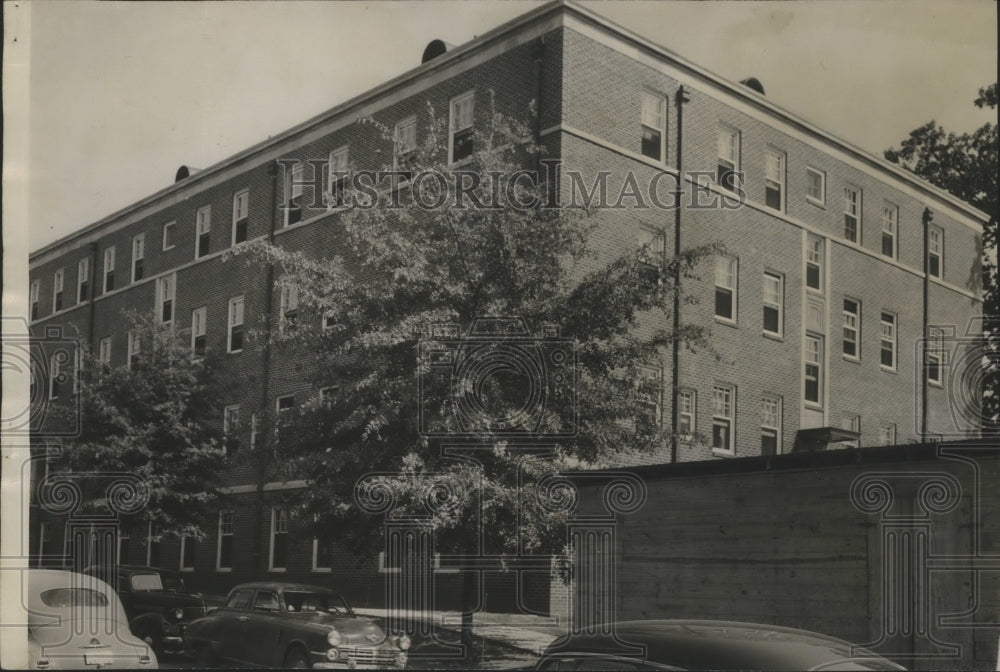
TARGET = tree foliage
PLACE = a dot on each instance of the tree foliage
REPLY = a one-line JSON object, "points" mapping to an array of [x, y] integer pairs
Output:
{"points": [[965, 165], [156, 420]]}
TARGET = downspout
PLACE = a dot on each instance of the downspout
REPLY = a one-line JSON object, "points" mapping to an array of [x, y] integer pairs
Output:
{"points": [[681, 98], [263, 429], [537, 54], [928, 217]]}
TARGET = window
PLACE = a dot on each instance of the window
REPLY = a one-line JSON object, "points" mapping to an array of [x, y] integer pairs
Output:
{"points": [[165, 290], [686, 409], [138, 257], [105, 350], [728, 143], [722, 418], [654, 121], [153, 546], [57, 290], [35, 290], [890, 221], [338, 178], [770, 426], [774, 179], [460, 140], [241, 216], [289, 306], [326, 395], [852, 214], [284, 406], [887, 435], [853, 423], [650, 386], [935, 247], [83, 280], [199, 320], [168, 235], [109, 269], [253, 431], [773, 299], [329, 321], [231, 429], [189, 548], [322, 556], [852, 326], [405, 145], [935, 355], [278, 557], [888, 341], [293, 195], [725, 288], [815, 185], [134, 348], [652, 245], [203, 231], [55, 376], [235, 332], [224, 553], [814, 262], [813, 388]]}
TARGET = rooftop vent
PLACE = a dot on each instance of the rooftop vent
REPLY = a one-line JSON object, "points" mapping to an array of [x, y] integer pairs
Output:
{"points": [[434, 49], [184, 172], [753, 83], [821, 438]]}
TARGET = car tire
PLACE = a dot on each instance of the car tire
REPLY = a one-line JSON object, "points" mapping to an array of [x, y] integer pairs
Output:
{"points": [[297, 659]]}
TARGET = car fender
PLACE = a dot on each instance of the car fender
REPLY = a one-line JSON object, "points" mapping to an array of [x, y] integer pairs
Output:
{"points": [[150, 621]]}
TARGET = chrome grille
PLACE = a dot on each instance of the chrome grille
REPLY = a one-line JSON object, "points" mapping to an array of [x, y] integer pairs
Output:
{"points": [[366, 655]]}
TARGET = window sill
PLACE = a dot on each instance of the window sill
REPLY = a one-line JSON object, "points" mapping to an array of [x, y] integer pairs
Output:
{"points": [[234, 352], [814, 291], [167, 249], [888, 369], [722, 452], [773, 336], [322, 570], [726, 322], [936, 383], [852, 360], [819, 204], [280, 570], [224, 570], [813, 406], [187, 569]]}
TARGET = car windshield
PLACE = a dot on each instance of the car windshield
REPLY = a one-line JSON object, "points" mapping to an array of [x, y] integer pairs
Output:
{"points": [[73, 597], [157, 581], [302, 601]]}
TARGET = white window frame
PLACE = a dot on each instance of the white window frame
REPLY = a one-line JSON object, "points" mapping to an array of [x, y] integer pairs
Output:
{"points": [[653, 116], [315, 555], [229, 432], [199, 327], [887, 435], [58, 285], [812, 173], [82, 278], [223, 533], [404, 137], [656, 242], [166, 292], [852, 323], [134, 348], [181, 565], [55, 369], [770, 422], [813, 357], [109, 269], [687, 408], [724, 409], [104, 350], [775, 178], [889, 334], [275, 512], [203, 227], [774, 300], [254, 430], [288, 303], [232, 317], [36, 288], [655, 402], [454, 121], [890, 228], [338, 162], [935, 354], [167, 236], [853, 423], [241, 213], [852, 208], [935, 248], [724, 135], [816, 256], [727, 270], [138, 255]]}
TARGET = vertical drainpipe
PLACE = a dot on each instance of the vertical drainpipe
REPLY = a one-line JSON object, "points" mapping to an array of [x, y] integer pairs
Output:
{"points": [[682, 97], [263, 429], [928, 217], [537, 54]]}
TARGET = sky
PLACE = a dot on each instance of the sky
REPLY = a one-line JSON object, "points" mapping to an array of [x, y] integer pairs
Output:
{"points": [[121, 94]]}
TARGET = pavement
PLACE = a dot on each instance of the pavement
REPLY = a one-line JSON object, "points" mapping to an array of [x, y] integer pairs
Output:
{"points": [[524, 632]]}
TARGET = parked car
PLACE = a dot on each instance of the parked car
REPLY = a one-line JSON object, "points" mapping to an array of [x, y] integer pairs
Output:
{"points": [[708, 645], [293, 625], [156, 601], [77, 622]]}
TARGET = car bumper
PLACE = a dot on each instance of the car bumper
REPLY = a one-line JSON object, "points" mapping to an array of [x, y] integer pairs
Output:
{"points": [[320, 661]]}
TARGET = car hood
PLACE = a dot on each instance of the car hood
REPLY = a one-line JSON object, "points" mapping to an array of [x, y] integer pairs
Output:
{"points": [[167, 598], [356, 630]]}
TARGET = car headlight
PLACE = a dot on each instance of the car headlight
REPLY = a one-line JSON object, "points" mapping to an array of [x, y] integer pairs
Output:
{"points": [[404, 642], [334, 638], [178, 614]]}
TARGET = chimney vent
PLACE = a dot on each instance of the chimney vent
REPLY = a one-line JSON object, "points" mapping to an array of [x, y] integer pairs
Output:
{"points": [[434, 49], [185, 172], [753, 83]]}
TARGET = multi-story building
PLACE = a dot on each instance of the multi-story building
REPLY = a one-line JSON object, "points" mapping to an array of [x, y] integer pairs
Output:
{"points": [[837, 264]]}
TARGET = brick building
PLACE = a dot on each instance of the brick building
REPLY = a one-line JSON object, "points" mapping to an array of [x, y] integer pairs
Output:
{"points": [[837, 265]]}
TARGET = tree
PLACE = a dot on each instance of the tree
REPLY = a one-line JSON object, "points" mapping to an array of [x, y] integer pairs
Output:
{"points": [[429, 331], [155, 419], [965, 165]]}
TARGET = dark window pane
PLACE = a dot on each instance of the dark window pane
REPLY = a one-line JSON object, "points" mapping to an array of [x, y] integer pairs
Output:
{"points": [[226, 551], [199, 345], [724, 303], [138, 269], [280, 550], [887, 355], [462, 144], [850, 348], [768, 443], [59, 301], [772, 197], [726, 177], [651, 141], [168, 311], [720, 434], [934, 263], [241, 231], [812, 276], [851, 228], [190, 549], [887, 245], [109, 281], [236, 341], [771, 319]]}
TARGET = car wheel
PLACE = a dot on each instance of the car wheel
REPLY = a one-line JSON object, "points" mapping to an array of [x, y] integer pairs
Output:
{"points": [[153, 641], [203, 656], [297, 659]]}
